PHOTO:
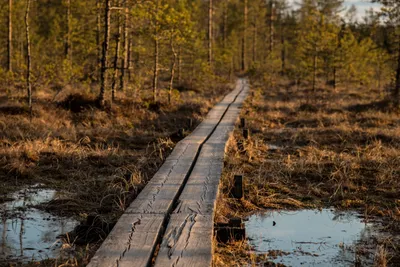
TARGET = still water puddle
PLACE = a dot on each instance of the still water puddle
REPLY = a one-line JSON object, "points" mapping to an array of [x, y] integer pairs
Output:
{"points": [[310, 237], [27, 233]]}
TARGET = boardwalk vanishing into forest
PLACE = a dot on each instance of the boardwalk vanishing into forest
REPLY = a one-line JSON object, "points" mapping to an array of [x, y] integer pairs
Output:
{"points": [[173, 216]]}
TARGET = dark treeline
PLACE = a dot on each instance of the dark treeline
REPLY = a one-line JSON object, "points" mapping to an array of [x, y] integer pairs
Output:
{"points": [[121, 47]]}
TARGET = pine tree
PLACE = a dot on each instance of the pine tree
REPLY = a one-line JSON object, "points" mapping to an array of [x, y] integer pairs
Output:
{"points": [[315, 40], [391, 11]]}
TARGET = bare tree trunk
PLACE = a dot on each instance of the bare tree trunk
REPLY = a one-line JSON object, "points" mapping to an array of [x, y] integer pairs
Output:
{"points": [[179, 65], [116, 56], [283, 54], [10, 47], [192, 74], [126, 48], [28, 53], [244, 37], [129, 59], [314, 71], [396, 92], [98, 33], [155, 70], [156, 54], [225, 33], [334, 79], [254, 40], [138, 59], [210, 32], [271, 26], [104, 61], [67, 52], [21, 48], [171, 81], [283, 48], [379, 73]]}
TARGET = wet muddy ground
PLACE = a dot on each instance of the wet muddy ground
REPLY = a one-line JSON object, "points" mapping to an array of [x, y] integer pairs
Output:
{"points": [[308, 153], [29, 233], [90, 164]]}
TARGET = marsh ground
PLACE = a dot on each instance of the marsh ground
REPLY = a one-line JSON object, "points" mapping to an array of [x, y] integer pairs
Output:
{"points": [[317, 149], [98, 158]]}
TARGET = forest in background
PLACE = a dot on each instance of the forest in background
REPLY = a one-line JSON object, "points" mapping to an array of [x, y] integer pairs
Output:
{"points": [[95, 94], [118, 48]]}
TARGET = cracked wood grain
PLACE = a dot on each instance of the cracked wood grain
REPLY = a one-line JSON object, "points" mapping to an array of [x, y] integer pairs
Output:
{"points": [[201, 190], [187, 241], [133, 239], [193, 246], [136, 235]]}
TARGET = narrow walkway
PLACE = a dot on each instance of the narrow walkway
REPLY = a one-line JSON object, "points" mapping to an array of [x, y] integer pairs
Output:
{"points": [[175, 211]]}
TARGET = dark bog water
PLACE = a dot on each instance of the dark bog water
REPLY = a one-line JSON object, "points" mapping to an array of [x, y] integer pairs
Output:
{"points": [[27, 233], [312, 237]]}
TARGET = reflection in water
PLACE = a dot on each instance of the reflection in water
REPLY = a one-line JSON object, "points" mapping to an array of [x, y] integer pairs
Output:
{"points": [[29, 233], [310, 237]]}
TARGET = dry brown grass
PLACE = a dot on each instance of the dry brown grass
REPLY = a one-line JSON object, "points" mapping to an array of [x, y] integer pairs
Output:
{"points": [[381, 257], [237, 253], [308, 150], [99, 158]]}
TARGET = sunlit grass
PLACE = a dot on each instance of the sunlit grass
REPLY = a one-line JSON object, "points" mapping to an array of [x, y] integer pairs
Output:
{"points": [[315, 151]]}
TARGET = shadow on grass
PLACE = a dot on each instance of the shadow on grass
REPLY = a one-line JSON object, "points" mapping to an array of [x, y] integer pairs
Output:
{"points": [[14, 109], [383, 106], [340, 139]]}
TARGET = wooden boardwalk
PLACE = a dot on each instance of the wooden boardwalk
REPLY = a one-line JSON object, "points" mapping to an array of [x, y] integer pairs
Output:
{"points": [[174, 213]]}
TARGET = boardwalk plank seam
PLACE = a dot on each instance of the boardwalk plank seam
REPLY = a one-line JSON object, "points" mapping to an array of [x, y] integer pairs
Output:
{"points": [[203, 205], [143, 222]]}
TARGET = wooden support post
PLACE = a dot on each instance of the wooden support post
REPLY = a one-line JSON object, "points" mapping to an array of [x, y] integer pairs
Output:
{"points": [[246, 133], [236, 222], [181, 132], [242, 123], [234, 230], [190, 124], [237, 191]]}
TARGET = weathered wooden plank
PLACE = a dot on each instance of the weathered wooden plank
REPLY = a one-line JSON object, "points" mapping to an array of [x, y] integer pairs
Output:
{"points": [[184, 149], [214, 116], [201, 189], [132, 240], [157, 198], [206, 127], [202, 186], [158, 195], [191, 206], [183, 244], [187, 241]]}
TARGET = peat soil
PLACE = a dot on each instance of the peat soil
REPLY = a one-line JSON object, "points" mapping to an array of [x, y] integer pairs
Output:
{"points": [[328, 149]]}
